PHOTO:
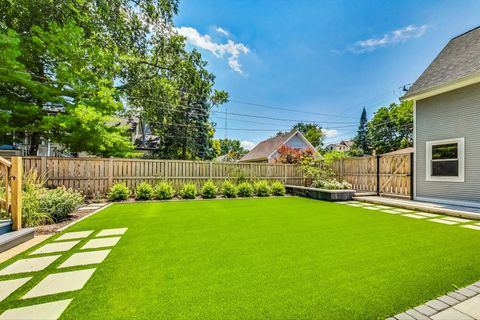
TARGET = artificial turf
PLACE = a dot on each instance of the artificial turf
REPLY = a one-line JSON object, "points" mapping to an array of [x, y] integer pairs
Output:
{"points": [[274, 258]]}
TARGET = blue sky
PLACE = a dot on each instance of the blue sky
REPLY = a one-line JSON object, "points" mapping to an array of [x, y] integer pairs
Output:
{"points": [[324, 59]]}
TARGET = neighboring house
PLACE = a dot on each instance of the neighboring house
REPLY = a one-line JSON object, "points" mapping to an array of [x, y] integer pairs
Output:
{"points": [[266, 151], [344, 146], [141, 135], [447, 124]]}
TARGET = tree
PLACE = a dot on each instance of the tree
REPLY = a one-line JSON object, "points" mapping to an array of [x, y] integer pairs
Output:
{"points": [[360, 142], [290, 155], [232, 148], [391, 128], [312, 132], [77, 63]]}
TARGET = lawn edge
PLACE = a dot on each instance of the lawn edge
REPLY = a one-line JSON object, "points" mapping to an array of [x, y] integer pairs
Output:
{"points": [[82, 218]]}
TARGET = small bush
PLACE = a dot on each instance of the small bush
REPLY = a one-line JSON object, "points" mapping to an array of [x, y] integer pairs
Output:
{"points": [[119, 191], [163, 191], [188, 191], [332, 184], [277, 188], [31, 214], [144, 191], [209, 190], [262, 189], [245, 189], [60, 202], [229, 189]]}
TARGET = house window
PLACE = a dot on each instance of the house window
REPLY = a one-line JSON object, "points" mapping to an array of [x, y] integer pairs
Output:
{"points": [[445, 160]]}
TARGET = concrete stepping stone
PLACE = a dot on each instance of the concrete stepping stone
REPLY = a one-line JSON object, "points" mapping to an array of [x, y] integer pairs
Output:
{"points": [[427, 215], [470, 307], [366, 204], [60, 282], [384, 207], [404, 210], [391, 211], [457, 219], [28, 265], [44, 311], [444, 221], [355, 204], [471, 226], [372, 208], [416, 216], [111, 232], [451, 314], [74, 235], [9, 286], [56, 247], [85, 258], [101, 243]]}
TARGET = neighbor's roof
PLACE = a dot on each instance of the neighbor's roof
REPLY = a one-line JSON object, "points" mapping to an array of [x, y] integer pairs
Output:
{"points": [[459, 59], [399, 152], [265, 148]]}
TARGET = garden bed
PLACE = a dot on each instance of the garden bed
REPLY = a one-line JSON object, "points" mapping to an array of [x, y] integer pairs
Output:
{"points": [[320, 194]]}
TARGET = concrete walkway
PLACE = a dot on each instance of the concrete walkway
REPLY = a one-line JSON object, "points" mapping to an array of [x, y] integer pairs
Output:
{"points": [[450, 210]]}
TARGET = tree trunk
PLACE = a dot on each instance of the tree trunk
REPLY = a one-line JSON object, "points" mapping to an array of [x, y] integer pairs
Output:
{"points": [[34, 143]]}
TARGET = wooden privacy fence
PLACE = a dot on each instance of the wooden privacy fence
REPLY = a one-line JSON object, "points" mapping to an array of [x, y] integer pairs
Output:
{"points": [[384, 175], [96, 175]]}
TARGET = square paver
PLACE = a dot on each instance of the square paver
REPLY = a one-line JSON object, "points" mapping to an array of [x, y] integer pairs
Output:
{"points": [[416, 216], [443, 221], [366, 204], [56, 247], [427, 215], [111, 232], [74, 235], [416, 315], [44, 311], [457, 219], [471, 226], [451, 314], [448, 300], [437, 305], [404, 210], [60, 282], [470, 307], [101, 243], [9, 286], [28, 265], [426, 310], [372, 208], [384, 207], [355, 204], [85, 258], [391, 211]]}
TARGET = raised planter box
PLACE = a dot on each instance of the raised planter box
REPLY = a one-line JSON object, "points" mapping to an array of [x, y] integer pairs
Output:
{"points": [[320, 194]]}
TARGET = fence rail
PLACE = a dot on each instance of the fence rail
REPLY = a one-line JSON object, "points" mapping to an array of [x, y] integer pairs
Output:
{"points": [[386, 175], [96, 175]]}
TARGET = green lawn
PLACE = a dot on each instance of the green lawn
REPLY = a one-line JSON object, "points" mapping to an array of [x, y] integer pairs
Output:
{"points": [[275, 258]]}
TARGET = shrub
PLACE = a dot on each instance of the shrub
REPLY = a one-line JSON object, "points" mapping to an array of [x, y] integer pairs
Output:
{"points": [[229, 189], [144, 191], [119, 191], [262, 189], [245, 189], [209, 190], [60, 202], [163, 190], [188, 191], [277, 188], [32, 190], [332, 184]]}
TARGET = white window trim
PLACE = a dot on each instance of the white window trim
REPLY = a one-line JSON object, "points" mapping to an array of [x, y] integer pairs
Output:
{"points": [[461, 160]]}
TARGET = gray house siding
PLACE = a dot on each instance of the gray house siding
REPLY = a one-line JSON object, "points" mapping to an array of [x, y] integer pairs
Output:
{"points": [[450, 115]]}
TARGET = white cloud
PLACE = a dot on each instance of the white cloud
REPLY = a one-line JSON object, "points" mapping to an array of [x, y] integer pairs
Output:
{"points": [[247, 144], [222, 31], [330, 133], [219, 50], [395, 36]]}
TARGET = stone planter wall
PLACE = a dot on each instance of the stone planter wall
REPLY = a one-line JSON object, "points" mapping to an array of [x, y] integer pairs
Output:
{"points": [[320, 194]]}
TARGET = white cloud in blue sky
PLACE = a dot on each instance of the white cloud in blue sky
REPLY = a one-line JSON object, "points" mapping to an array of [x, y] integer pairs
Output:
{"points": [[395, 36], [231, 49], [330, 133], [222, 31]]}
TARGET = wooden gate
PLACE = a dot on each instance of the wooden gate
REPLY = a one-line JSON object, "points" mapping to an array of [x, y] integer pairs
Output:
{"points": [[395, 175]]}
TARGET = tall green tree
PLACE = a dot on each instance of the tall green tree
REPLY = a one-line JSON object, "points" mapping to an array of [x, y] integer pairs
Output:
{"points": [[360, 142], [391, 128], [232, 148]]}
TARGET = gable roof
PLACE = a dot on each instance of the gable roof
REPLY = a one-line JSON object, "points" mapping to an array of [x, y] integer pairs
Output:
{"points": [[266, 148], [459, 60]]}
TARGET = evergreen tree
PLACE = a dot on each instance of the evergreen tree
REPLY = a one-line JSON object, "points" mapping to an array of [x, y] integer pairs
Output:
{"points": [[361, 140]]}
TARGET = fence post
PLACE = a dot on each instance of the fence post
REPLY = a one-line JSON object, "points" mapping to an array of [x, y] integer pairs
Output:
{"points": [[341, 169], [210, 170], [378, 175], [110, 173], [412, 178], [16, 186]]}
